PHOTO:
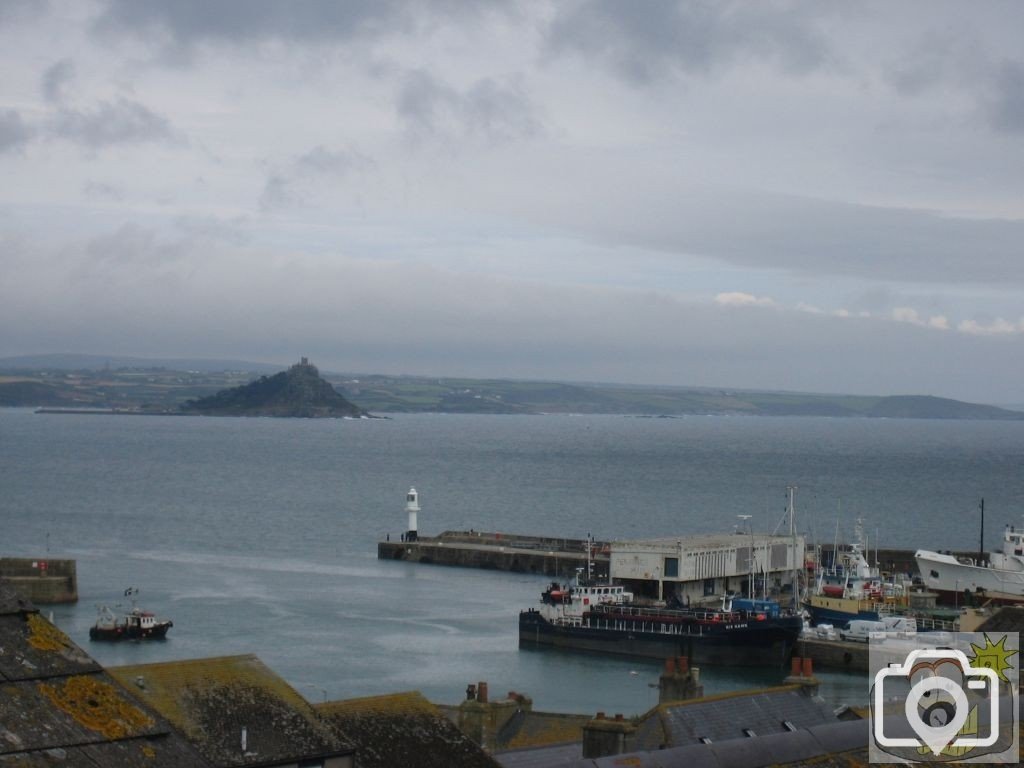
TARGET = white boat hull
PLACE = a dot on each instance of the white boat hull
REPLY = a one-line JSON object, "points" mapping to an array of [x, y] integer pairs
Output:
{"points": [[951, 578]]}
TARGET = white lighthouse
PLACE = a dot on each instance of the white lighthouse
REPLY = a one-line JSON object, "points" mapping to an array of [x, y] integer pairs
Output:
{"points": [[412, 506]]}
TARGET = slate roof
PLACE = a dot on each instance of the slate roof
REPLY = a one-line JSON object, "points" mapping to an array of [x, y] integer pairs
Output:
{"points": [[728, 716], [402, 729], [533, 729], [212, 700], [58, 707], [557, 756], [837, 745]]}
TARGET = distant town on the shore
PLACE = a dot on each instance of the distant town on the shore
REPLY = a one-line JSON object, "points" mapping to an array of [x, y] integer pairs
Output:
{"points": [[205, 386]]}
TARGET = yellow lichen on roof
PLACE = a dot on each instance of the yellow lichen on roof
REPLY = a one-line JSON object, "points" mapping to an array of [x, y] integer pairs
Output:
{"points": [[169, 686], [407, 703], [98, 706], [44, 636]]}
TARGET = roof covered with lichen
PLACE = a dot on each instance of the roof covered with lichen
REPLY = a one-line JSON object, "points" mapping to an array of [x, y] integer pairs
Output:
{"points": [[402, 729], [213, 700], [57, 706]]}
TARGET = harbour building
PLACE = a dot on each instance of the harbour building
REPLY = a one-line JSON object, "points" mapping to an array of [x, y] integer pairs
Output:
{"points": [[697, 569]]}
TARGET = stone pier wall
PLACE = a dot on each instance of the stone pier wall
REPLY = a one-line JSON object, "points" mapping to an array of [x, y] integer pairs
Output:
{"points": [[42, 580]]}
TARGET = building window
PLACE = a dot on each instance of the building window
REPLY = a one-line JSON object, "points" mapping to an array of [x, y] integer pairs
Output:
{"points": [[671, 567], [709, 587]]}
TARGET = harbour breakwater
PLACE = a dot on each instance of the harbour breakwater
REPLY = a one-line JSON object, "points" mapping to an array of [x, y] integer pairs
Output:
{"points": [[42, 580], [549, 556], [561, 557]]}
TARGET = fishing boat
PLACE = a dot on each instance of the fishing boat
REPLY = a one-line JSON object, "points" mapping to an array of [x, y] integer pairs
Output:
{"points": [[851, 589], [604, 618], [999, 579], [136, 624]]}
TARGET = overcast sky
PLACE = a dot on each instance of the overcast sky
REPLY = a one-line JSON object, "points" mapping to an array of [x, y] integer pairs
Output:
{"points": [[813, 196]]}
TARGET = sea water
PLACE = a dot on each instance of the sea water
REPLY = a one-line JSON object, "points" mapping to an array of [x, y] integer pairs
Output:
{"points": [[259, 535]]}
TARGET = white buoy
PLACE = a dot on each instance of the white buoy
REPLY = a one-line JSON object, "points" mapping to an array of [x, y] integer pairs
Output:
{"points": [[412, 506]]}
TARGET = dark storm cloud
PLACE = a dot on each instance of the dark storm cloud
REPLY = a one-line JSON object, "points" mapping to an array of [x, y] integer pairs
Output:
{"points": [[57, 78], [1007, 108], [659, 39], [122, 122], [14, 132], [496, 111]]}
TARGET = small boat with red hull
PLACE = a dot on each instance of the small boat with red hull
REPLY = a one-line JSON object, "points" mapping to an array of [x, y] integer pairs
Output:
{"points": [[136, 624]]}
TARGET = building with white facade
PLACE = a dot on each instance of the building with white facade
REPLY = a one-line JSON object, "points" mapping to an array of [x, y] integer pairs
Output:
{"points": [[696, 568]]}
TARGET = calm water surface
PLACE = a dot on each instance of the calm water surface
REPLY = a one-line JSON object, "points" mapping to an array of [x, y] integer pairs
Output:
{"points": [[259, 535]]}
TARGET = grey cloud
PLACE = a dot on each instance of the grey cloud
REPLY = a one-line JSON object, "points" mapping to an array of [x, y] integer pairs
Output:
{"points": [[488, 109], [57, 78], [99, 189], [648, 42], [1007, 106], [800, 235], [14, 132], [187, 22], [124, 121], [276, 194], [320, 159], [131, 246], [451, 324], [190, 21], [13, 11]]}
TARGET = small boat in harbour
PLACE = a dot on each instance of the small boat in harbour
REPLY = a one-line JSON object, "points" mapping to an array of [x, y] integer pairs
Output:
{"points": [[136, 624], [604, 618]]}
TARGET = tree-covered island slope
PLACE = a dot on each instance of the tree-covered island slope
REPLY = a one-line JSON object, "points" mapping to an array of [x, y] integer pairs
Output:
{"points": [[299, 392]]}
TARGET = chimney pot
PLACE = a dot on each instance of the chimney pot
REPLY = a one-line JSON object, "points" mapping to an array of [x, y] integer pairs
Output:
{"points": [[470, 692], [683, 664], [481, 692], [670, 666], [618, 717], [600, 716]]}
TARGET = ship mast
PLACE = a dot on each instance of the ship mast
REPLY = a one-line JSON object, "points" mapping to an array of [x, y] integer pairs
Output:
{"points": [[795, 577]]}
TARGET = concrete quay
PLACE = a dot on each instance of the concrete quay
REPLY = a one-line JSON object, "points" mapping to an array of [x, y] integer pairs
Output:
{"points": [[42, 580], [555, 557]]}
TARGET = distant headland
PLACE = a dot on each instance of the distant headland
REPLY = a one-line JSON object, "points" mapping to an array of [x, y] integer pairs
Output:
{"points": [[132, 386]]}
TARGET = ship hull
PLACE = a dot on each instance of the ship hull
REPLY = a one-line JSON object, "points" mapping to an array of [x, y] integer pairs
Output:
{"points": [[120, 632], [761, 643], [839, 611], [951, 579]]}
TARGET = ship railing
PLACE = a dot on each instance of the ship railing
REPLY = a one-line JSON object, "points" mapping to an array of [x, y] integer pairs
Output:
{"points": [[655, 627], [929, 624], [666, 614]]}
